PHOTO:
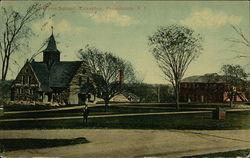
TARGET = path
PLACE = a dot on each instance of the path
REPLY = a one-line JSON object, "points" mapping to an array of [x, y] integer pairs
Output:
{"points": [[57, 109], [131, 143]]}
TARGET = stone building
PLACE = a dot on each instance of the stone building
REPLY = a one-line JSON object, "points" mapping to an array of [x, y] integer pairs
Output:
{"points": [[52, 80]]}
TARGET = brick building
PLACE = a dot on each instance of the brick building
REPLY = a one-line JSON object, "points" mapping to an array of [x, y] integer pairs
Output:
{"points": [[52, 80], [207, 88]]}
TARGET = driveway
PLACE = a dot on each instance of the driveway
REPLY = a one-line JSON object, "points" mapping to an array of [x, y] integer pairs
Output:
{"points": [[132, 143]]}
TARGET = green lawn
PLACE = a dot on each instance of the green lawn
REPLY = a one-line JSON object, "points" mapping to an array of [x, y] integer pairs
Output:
{"points": [[203, 121], [8, 108], [100, 110]]}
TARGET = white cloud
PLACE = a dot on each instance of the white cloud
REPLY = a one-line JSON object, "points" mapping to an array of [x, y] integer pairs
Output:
{"points": [[210, 18], [63, 26], [111, 17]]}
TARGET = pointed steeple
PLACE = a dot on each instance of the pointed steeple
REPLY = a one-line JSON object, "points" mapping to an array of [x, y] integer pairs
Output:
{"points": [[51, 43], [51, 54]]}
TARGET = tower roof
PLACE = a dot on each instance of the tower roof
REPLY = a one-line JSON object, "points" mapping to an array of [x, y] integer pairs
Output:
{"points": [[51, 44]]}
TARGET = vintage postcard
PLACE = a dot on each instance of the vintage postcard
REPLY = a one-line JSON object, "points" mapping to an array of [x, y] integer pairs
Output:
{"points": [[124, 79]]}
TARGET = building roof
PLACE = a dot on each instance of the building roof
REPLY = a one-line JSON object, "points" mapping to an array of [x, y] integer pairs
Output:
{"points": [[51, 44], [207, 78], [42, 74], [59, 75]]}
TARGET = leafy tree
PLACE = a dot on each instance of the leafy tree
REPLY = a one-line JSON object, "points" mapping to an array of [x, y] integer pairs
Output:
{"points": [[235, 76], [14, 31], [106, 68], [174, 48]]}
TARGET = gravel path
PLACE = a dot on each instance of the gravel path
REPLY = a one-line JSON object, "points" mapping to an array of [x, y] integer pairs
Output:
{"points": [[106, 143]]}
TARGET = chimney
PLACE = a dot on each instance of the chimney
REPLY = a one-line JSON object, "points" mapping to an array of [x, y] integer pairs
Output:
{"points": [[121, 79]]}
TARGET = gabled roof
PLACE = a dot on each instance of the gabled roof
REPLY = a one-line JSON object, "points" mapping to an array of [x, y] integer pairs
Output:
{"points": [[59, 75], [207, 78], [42, 74]]}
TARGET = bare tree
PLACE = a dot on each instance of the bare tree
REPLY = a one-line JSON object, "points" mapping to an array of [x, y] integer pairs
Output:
{"points": [[174, 48], [106, 68], [235, 77], [242, 40], [14, 30]]}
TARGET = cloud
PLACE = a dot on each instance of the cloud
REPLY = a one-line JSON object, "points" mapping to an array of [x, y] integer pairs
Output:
{"points": [[112, 17], [210, 18], [62, 26]]}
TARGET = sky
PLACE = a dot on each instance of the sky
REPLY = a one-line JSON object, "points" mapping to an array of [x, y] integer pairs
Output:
{"points": [[123, 28]]}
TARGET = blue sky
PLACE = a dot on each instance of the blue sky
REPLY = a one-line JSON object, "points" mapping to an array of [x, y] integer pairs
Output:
{"points": [[123, 28]]}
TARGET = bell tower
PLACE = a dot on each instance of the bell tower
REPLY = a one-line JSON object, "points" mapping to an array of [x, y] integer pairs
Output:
{"points": [[51, 54]]}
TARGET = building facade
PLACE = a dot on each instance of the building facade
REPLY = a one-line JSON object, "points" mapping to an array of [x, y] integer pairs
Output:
{"points": [[52, 80], [207, 88]]}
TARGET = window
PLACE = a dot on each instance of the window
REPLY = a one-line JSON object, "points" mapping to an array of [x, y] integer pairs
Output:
{"points": [[17, 90], [29, 79], [20, 91], [23, 79], [31, 91], [26, 70]]}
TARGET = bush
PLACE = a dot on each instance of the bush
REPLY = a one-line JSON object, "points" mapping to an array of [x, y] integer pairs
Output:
{"points": [[2, 148]]}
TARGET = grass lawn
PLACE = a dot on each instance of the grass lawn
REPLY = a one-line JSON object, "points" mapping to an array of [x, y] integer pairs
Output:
{"points": [[8, 108], [100, 110], [229, 154], [202, 121]]}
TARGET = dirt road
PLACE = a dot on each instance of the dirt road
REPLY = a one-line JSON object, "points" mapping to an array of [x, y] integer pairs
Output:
{"points": [[132, 143]]}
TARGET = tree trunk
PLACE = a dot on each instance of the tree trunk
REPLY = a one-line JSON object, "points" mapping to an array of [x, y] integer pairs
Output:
{"points": [[177, 96], [106, 101], [5, 67]]}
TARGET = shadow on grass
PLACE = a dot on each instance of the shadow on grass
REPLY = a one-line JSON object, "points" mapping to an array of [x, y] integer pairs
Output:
{"points": [[31, 143], [230, 154]]}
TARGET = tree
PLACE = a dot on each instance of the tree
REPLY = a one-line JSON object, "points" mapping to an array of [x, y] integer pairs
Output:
{"points": [[174, 48], [235, 77], [152, 92], [106, 69], [242, 40], [14, 30], [5, 87]]}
